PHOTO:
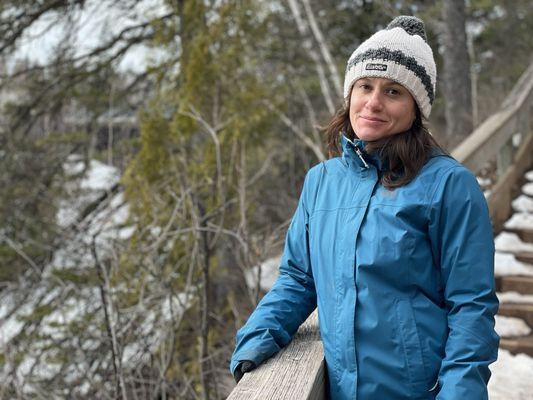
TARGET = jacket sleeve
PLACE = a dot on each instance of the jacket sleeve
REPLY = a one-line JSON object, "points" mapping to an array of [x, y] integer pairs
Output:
{"points": [[460, 232], [288, 303]]}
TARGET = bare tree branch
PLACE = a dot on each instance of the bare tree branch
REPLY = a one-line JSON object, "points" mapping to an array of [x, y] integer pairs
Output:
{"points": [[303, 29], [324, 49], [301, 135]]}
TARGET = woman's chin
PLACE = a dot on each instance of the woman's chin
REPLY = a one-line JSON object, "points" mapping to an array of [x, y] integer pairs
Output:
{"points": [[370, 135]]}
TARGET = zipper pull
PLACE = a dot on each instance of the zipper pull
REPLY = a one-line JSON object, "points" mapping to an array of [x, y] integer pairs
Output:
{"points": [[360, 154]]}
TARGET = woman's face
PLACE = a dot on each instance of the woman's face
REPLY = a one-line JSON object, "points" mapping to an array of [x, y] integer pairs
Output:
{"points": [[379, 108]]}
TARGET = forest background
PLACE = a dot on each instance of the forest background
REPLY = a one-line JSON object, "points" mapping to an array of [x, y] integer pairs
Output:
{"points": [[151, 156]]}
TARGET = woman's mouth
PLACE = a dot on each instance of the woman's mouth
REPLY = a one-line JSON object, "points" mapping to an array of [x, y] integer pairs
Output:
{"points": [[372, 119]]}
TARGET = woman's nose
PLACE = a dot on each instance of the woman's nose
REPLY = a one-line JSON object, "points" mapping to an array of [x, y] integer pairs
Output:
{"points": [[374, 100]]}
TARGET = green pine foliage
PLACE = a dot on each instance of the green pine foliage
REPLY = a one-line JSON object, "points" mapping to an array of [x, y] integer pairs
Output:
{"points": [[185, 175]]}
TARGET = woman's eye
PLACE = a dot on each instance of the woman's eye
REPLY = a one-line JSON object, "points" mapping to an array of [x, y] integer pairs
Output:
{"points": [[393, 92]]}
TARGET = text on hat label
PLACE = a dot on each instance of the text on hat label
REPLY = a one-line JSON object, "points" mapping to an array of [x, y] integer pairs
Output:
{"points": [[377, 67]]}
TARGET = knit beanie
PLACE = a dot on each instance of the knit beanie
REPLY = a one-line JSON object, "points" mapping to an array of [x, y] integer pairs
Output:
{"points": [[399, 52]]}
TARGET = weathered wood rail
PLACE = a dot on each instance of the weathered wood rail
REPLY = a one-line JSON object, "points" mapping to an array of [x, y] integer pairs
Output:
{"points": [[298, 372], [507, 137]]}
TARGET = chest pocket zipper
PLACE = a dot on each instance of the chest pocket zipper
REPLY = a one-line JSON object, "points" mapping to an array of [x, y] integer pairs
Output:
{"points": [[435, 386]]}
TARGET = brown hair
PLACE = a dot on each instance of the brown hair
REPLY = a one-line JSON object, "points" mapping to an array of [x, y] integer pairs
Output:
{"points": [[403, 154]]}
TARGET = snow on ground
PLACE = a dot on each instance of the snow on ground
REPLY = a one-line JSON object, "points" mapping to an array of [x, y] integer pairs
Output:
{"points": [[508, 327], [520, 220], [269, 274], [511, 377], [528, 189], [483, 182], [90, 27], [171, 309], [511, 242], [507, 264], [511, 374], [100, 176], [86, 186], [106, 225], [523, 204], [514, 297], [10, 325]]}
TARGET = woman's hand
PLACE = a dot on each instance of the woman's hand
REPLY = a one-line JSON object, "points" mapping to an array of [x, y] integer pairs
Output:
{"points": [[242, 368]]}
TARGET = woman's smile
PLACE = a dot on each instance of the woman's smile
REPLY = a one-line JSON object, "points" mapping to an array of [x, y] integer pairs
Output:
{"points": [[372, 119]]}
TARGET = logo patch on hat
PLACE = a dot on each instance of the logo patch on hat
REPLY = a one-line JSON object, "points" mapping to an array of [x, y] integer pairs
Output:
{"points": [[376, 67]]}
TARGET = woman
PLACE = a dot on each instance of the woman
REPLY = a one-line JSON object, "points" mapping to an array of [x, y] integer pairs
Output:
{"points": [[392, 241]]}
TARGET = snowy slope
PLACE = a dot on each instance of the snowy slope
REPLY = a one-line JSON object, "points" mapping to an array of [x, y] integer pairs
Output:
{"points": [[66, 305]]}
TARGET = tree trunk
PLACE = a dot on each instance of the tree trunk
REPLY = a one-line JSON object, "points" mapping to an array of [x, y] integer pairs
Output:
{"points": [[456, 76], [205, 373]]}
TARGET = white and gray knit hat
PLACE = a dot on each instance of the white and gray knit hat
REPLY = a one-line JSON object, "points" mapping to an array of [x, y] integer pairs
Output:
{"points": [[399, 52]]}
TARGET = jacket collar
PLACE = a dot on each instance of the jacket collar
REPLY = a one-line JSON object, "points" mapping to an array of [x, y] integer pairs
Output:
{"points": [[353, 151]]}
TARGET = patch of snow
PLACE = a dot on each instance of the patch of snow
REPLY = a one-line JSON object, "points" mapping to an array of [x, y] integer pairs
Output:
{"points": [[487, 54], [508, 327], [514, 297], [523, 204], [483, 181], [26, 366], [31, 366], [115, 214], [511, 242], [74, 165], [100, 176], [11, 323], [106, 225], [155, 231], [507, 264], [171, 310], [528, 188], [10, 328], [126, 233], [529, 175], [269, 274], [520, 221], [66, 215], [511, 377], [180, 303], [82, 191], [516, 139], [90, 27], [66, 312]]}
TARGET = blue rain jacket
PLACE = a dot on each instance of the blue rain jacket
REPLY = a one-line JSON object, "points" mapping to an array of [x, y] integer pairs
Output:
{"points": [[403, 281]]}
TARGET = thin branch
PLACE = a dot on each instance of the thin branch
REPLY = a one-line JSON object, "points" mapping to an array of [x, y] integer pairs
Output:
{"points": [[303, 29], [301, 135], [326, 54]]}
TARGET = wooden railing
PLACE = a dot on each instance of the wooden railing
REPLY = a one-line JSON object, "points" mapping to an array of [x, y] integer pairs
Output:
{"points": [[507, 138], [298, 371]]}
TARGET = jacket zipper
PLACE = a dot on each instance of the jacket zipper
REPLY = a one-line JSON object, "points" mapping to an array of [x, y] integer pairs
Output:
{"points": [[360, 154]]}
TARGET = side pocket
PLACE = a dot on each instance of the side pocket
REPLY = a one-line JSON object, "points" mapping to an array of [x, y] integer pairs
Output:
{"points": [[411, 347]]}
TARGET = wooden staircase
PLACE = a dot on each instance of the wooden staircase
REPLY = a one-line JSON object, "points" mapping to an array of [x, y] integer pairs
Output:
{"points": [[519, 284]]}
